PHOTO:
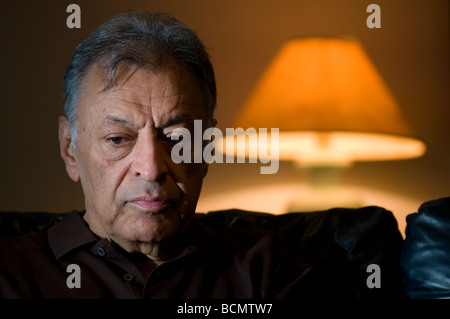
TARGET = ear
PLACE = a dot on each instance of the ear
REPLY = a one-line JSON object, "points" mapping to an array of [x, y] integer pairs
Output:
{"points": [[67, 150]]}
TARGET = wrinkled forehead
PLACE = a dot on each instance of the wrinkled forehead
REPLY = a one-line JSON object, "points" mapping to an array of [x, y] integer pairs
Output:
{"points": [[107, 77], [168, 87]]}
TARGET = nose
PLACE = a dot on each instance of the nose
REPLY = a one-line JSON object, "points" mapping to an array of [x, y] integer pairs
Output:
{"points": [[149, 160]]}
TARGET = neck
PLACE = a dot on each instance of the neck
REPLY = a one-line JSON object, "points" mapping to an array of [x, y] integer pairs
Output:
{"points": [[157, 252]]}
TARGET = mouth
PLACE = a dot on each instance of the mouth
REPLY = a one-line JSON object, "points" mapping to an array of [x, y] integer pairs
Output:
{"points": [[152, 204]]}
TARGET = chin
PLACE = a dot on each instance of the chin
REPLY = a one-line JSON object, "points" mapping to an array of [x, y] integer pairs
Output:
{"points": [[150, 227]]}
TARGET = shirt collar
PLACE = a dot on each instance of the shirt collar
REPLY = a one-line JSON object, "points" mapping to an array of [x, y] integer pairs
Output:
{"points": [[70, 233], [73, 232]]}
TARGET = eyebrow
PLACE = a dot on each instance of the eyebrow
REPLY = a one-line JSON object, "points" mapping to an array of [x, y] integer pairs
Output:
{"points": [[177, 120], [114, 120]]}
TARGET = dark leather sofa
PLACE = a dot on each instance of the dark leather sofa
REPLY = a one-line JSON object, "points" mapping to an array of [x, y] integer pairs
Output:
{"points": [[342, 242], [425, 258]]}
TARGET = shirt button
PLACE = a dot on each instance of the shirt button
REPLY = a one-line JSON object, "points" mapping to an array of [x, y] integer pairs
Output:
{"points": [[128, 277], [101, 252]]}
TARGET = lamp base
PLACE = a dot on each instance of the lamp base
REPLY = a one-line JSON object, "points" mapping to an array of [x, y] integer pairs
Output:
{"points": [[323, 190]]}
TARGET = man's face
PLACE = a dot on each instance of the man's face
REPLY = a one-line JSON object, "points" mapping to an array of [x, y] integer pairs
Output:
{"points": [[134, 193]]}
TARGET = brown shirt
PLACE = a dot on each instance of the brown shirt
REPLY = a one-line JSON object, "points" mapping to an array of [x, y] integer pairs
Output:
{"points": [[250, 265]]}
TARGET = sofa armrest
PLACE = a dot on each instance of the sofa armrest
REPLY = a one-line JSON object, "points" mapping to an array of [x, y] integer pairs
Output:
{"points": [[426, 255], [16, 223]]}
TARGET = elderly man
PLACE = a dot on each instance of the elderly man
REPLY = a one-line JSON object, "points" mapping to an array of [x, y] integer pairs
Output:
{"points": [[128, 88]]}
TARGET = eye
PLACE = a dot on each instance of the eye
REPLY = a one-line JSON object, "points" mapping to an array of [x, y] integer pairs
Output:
{"points": [[117, 140], [176, 136], [169, 139]]}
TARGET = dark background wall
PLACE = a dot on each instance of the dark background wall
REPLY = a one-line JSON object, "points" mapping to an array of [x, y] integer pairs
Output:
{"points": [[411, 51]]}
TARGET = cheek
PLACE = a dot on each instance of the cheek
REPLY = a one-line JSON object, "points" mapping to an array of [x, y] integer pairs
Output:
{"points": [[190, 181], [100, 180]]}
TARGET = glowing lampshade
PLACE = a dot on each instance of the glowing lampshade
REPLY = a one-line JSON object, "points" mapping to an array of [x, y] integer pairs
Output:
{"points": [[331, 107], [330, 104]]}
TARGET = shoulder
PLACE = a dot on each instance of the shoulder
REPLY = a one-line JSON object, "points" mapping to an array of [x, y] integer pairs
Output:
{"points": [[255, 241], [271, 265], [25, 247], [23, 262], [24, 258], [253, 247], [238, 241]]}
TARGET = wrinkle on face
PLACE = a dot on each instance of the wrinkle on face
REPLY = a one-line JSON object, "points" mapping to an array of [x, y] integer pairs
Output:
{"points": [[137, 113]]}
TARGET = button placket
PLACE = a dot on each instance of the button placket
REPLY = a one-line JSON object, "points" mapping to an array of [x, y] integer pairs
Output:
{"points": [[128, 273]]}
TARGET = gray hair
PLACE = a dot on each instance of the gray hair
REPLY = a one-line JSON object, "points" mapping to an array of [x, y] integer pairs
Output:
{"points": [[142, 40]]}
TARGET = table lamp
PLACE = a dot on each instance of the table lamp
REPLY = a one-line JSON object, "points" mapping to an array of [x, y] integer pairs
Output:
{"points": [[332, 108]]}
